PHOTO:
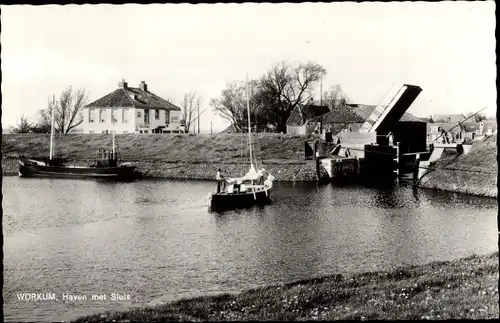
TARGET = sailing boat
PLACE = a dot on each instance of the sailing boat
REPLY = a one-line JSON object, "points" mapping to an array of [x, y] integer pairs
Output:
{"points": [[104, 166], [254, 188]]}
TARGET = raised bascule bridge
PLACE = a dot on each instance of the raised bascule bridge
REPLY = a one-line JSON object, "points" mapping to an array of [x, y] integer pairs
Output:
{"points": [[383, 143]]}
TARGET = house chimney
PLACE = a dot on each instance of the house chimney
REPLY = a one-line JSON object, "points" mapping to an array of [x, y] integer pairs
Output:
{"points": [[143, 86], [122, 84]]}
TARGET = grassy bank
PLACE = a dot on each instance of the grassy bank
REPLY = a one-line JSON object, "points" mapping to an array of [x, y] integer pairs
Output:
{"points": [[273, 148], [176, 156], [473, 173], [464, 288]]}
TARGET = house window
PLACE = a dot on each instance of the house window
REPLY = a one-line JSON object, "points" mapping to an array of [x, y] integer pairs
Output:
{"points": [[91, 115], [146, 116], [113, 116], [167, 117], [138, 114], [124, 115], [157, 114], [175, 118], [101, 116]]}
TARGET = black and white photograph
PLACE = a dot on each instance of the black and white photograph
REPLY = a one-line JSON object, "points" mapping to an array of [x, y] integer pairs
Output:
{"points": [[249, 161]]}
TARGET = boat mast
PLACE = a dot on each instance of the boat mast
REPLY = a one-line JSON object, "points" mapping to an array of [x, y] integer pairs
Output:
{"points": [[249, 128], [113, 131], [52, 125]]}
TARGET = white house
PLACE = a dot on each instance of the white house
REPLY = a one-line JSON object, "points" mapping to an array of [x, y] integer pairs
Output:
{"points": [[131, 110]]}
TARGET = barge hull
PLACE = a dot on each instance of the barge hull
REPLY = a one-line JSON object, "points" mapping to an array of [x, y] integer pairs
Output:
{"points": [[76, 172]]}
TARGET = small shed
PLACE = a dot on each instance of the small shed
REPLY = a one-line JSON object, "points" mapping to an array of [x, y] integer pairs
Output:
{"points": [[296, 123]]}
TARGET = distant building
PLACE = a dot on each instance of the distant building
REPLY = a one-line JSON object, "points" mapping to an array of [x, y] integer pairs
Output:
{"points": [[435, 131], [459, 132], [230, 129], [340, 118], [349, 117], [448, 118], [297, 122], [365, 112], [485, 127], [131, 110]]}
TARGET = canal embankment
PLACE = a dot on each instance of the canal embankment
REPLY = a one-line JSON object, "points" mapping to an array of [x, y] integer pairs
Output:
{"points": [[473, 173], [196, 156], [176, 156], [460, 289]]}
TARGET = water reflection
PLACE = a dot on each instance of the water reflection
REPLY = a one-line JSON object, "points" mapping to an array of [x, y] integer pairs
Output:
{"points": [[157, 240]]}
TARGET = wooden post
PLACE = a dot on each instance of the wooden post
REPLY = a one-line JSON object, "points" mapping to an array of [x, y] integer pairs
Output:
{"points": [[357, 167], [396, 159], [416, 169], [317, 169]]}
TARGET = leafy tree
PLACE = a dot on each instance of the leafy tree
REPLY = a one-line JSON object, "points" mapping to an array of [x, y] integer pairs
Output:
{"points": [[272, 97], [477, 118], [480, 117], [287, 85], [335, 96]]}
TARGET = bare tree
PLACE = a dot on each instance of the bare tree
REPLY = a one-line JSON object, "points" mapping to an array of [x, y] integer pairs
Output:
{"points": [[69, 110], [335, 96], [190, 107], [232, 104], [24, 126], [67, 113]]}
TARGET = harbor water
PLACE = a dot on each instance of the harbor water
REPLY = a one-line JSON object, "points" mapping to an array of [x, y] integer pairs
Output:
{"points": [[153, 241]]}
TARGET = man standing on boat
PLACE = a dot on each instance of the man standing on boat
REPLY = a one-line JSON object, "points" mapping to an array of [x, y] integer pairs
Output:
{"points": [[219, 179], [260, 176]]}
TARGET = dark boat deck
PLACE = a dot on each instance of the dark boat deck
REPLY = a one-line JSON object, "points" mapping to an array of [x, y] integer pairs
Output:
{"points": [[228, 201]]}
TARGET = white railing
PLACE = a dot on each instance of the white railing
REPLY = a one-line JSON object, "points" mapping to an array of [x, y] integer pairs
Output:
{"points": [[381, 110]]}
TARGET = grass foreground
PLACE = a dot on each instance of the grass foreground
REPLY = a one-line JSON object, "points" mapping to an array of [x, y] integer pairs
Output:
{"points": [[459, 289]]}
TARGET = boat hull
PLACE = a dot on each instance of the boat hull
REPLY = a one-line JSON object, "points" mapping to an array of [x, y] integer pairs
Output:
{"points": [[223, 201], [120, 172]]}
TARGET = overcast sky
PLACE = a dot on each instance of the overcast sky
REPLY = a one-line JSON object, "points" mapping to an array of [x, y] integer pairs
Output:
{"points": [[447, 48]]}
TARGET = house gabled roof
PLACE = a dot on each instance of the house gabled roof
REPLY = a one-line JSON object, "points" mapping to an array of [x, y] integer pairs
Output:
{"points": [[132, 97], [230, 129], [301, 113], [364, 111], [340, 114]]}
